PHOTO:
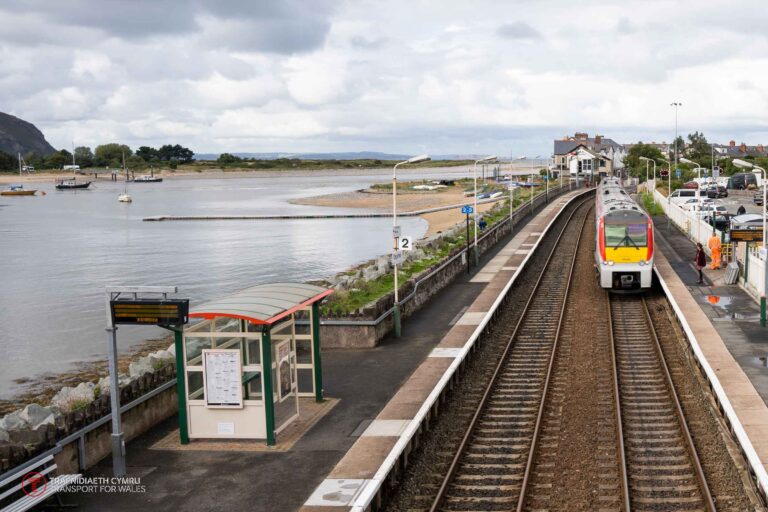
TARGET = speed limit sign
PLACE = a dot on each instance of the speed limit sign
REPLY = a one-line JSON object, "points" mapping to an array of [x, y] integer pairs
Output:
{"points": [[405, 243]]}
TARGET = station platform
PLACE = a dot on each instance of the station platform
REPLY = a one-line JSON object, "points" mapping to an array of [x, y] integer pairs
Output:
{"points": [[361, 381], [355, 481], [725, 323]]}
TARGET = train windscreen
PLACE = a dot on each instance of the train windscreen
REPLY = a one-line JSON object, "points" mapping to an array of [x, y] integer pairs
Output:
{"points": [[626, 235]]}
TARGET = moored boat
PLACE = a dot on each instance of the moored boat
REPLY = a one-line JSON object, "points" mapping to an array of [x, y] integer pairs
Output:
{"points": [[147, 178], [71, 184], [17, 190]]}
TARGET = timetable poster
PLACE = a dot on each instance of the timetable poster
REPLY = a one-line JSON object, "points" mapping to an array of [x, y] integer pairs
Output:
{"points": [[223, 380]]}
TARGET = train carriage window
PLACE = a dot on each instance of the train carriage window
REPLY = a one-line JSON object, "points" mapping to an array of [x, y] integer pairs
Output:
{"points": [[626, 235]]}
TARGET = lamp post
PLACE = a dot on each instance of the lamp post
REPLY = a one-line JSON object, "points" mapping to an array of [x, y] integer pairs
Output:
{"points": [[511, 190], [484, 160], [691, 162], [749, 165], [675, 104], [396, 235], [647, 161]]}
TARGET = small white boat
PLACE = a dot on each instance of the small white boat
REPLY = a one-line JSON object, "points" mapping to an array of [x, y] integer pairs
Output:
{"points": [[125, 198]]}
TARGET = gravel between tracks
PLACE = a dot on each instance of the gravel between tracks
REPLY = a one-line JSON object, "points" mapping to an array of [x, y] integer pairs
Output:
{"points": [[723, 464], [417, 486]]}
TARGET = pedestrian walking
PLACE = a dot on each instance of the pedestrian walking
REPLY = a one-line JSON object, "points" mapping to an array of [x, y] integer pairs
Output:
{"points": [[741, 210], [483, 224], [700, 261], [715, 249]]}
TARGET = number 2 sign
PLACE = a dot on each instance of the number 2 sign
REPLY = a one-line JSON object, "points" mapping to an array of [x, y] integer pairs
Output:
{"points": [[405, 243]]}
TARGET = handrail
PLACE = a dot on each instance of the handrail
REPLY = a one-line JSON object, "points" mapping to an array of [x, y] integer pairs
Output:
{"points": [[520, 210]]}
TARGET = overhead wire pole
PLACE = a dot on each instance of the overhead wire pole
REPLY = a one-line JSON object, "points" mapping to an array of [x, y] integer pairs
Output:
{"points": [[396, 238]]}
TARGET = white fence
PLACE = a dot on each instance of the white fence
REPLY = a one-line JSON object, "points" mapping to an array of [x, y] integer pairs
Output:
{"points": [[752, 266]]}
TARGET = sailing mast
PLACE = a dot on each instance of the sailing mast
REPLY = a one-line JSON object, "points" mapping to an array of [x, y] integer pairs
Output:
{"points": [[19, 165]]}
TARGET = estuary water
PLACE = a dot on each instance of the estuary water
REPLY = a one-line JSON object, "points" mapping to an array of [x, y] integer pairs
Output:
{"points": [[59, 251]]}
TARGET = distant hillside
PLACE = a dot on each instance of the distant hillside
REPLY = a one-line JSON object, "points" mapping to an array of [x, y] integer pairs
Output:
{"points": [[356, 155], [19, 136]]}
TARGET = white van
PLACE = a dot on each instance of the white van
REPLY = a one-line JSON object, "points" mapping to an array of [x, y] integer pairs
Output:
{"points": [[70, 168], [682, 194]]}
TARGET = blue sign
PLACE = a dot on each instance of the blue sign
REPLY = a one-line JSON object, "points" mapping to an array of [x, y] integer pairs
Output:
{"points": [[677, 171], [467, 209]]}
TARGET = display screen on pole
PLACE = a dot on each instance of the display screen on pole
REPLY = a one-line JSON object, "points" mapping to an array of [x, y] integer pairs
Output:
{"points": [[150, 312], [746, 235]]}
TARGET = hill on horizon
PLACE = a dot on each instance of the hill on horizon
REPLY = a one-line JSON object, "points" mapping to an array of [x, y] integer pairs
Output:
{"points": [[19, 136], [351, 155]]}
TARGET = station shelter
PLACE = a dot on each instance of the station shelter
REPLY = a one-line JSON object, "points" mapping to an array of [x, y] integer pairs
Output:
{"points": [[248, 360]]}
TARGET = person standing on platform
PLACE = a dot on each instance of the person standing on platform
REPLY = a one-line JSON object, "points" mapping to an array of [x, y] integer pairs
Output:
{"points": [[714, 247], [700, 261]]}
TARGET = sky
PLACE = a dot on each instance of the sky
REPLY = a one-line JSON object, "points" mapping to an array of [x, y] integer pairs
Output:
{"points": [[398, 76]]}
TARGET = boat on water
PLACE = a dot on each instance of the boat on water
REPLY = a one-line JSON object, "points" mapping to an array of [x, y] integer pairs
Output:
{"points": [[147, 178], [71, 184], [125, 198], [17, 190]]}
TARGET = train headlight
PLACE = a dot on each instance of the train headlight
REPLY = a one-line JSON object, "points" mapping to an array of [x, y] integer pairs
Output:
{"points": [[609, 263], [641, 262]]}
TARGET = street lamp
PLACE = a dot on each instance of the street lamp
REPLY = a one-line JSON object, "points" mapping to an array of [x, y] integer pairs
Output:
{"points": [[691, 162], [647, 161], [490, 158], [511, 190], [675, 104], [749, 165], [396, 234]]}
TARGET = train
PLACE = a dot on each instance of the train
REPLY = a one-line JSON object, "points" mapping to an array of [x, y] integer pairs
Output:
{"points": [[624, 241]]}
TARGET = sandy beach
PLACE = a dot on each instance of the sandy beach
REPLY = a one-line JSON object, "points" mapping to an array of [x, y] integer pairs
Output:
{"points": [[406, 202]]}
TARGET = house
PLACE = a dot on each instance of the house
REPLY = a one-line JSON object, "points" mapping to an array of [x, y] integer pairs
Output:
{"points": [[740, 151], [607, 155], [584, 161], [663, 147]]}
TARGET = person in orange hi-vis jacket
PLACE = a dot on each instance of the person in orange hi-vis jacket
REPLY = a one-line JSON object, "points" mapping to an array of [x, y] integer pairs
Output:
{"points": [[714, 246]]}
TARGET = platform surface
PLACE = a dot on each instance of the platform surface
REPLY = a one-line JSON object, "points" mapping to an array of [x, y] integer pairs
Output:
{"points": [[363, 381]]}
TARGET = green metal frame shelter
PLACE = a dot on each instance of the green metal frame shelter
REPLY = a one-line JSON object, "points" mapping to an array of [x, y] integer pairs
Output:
{"points": [[243, 367]]}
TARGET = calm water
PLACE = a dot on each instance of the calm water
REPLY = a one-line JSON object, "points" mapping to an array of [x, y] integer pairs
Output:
{"points": [[57, 252]]}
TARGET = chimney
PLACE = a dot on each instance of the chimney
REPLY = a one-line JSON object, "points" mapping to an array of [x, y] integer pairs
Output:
{"points": [[581, 136], [732, 143], [598, 139]]}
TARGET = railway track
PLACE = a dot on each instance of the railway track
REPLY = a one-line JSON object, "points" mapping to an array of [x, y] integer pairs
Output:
{"points": [[489, 469], [663, 471]]}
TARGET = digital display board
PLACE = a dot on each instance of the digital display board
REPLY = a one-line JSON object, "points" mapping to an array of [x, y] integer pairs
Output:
{"points": [[150, 312], [746, 235]]}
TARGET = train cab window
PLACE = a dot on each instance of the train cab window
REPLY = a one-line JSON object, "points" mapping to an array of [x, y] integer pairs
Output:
{"points": [[626, 235]]}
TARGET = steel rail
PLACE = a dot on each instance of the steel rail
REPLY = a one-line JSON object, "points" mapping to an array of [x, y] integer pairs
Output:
{"points": [[550, 367], [709, 503], [438, 501], [617, 406]]}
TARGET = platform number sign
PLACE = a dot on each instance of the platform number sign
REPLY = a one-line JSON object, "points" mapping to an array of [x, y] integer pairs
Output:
{"points": [[716, 172], [405, 243], [467, 209]]}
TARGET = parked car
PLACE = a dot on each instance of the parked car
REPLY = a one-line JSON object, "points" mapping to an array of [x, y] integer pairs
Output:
{"points": [[682, 194], [690, 184], [722, 220], [758, 198], [742, 181], [695, 203], [747, 221], [717, 191]]}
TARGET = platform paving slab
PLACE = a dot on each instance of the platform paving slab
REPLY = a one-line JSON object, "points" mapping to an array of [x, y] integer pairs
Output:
{"points": [[363, 380]]}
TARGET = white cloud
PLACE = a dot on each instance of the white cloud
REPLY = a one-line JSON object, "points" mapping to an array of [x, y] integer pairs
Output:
{"points": [[400, 76]]}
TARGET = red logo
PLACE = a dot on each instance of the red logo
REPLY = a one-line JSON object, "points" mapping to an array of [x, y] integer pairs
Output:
{"points": [[33, 484]]}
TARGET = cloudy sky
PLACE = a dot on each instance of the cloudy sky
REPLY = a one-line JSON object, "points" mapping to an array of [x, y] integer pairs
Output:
{"points": [[406, 76]]}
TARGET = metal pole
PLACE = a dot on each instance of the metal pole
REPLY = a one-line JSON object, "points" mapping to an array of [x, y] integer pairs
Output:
{"points": [[396, 307], [477, 256], [118, 442], [765, 255], [467, 243]]}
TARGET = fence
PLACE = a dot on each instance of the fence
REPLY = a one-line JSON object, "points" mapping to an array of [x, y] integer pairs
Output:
{"points": [[752, 265]]}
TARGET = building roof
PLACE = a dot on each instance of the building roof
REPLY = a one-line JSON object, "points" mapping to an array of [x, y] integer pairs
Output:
{"points": [[563, 147], [262, 304]]}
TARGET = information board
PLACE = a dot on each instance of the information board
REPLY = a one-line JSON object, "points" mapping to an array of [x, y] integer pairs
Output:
{"points": [[222, 374], [746, 235], [150, 312]]}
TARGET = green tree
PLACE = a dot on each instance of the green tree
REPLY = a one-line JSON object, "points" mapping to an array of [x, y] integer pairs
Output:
{"points": [[8, 162], [680, 147], [698, 147], [176, 152], [83, 156], [637, 166], [59, 159], [226, 158], [148, 154], [111, 154]]}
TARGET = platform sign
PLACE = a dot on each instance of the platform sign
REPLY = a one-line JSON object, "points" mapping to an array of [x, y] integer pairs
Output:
{"points": [[150, 311], [746, 235], [396, 231], [716, 172], [664, 173], [467, 209], [678, 173], [405, 243], [398, 258]]}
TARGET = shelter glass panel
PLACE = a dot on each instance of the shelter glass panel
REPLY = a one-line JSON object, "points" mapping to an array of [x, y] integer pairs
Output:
{"points": [[195, 385], [304, 351], [194, 346]]}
